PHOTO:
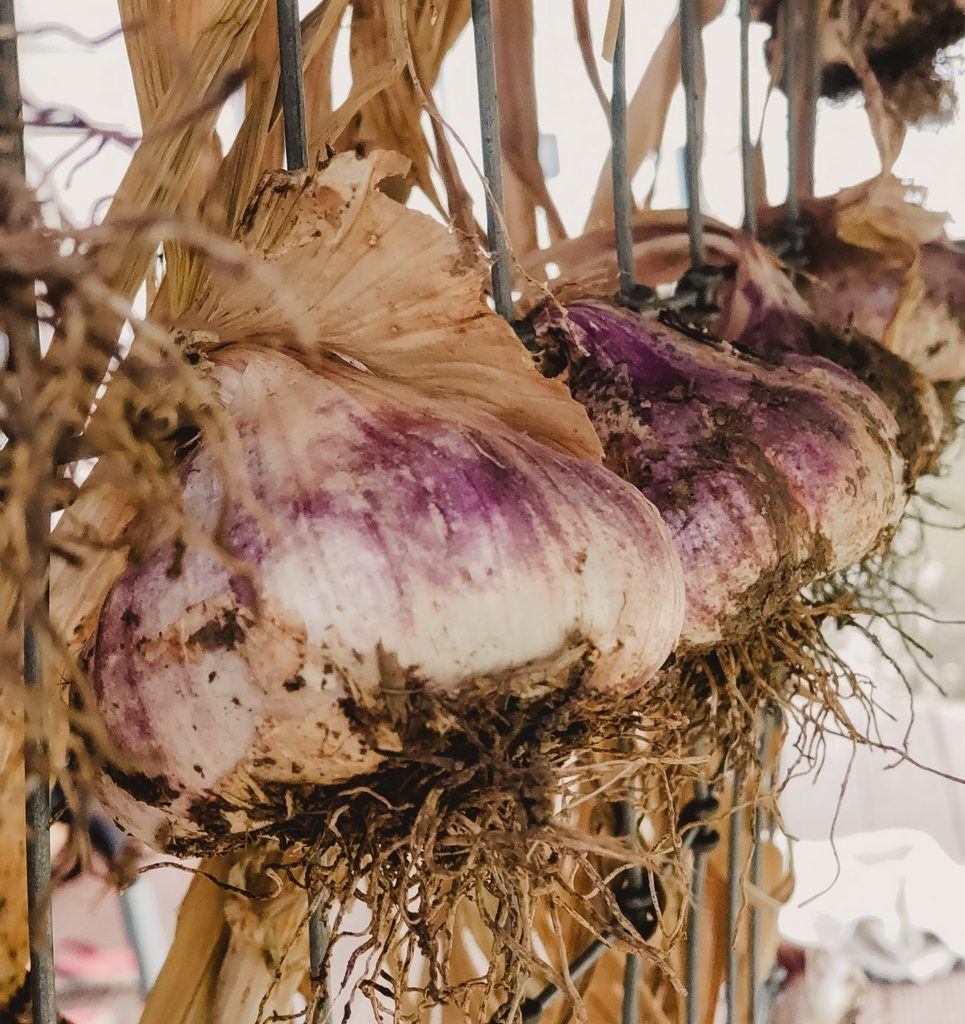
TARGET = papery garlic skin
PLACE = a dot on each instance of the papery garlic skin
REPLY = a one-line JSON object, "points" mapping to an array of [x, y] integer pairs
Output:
{"points": [[769, 477], [380, 534]]}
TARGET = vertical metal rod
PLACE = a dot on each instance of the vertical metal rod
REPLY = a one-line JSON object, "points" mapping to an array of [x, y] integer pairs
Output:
{"points": [[815, 69], [296, 158], [317, 948], [754, 943], [733, 895], [482, 27], [801, 83], [622, 197], [630, 1009], [748, 176], [36, 752], [292, 85], [37, 770], [699, 876], [792, 82], [628, 827], [691, 60]]}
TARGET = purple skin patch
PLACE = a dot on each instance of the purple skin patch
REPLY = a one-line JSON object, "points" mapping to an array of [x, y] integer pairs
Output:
{"points": [[750, 464]]}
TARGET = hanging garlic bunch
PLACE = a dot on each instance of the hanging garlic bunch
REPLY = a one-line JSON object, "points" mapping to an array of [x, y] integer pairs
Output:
{"points": [[414, 523]]}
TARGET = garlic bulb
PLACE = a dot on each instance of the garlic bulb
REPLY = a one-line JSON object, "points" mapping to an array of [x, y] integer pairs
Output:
{"points": [[387, 548], [768, 477], [763, 312], [918, 312]]}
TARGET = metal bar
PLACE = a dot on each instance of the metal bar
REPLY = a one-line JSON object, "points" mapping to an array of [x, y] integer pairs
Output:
{"points": [[482, 27], [622, 197], [533, 1008], [733, 895], [801, 83], [748, 176], [792, 79], [629, 822], [691, 55], [628, 825], [37, 810], [292, 85], [630, 1010], [317, 941], [815, 68], [36, 752], [699, 876], [317, 950], [754, 943], [296, 158]]}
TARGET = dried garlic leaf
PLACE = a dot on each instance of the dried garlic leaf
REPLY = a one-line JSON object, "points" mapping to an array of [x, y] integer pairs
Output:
{"points": [[390, 289], [647, 113], [878, 215], [525, 189], [417, 45]]}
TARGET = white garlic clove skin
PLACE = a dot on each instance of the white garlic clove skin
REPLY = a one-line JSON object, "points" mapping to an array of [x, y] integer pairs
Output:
{"points": [[386, 545]]}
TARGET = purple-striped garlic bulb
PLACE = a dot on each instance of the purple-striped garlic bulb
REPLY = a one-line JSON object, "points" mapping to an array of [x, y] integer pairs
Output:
{"points": [[768, 477], [398, 536]]}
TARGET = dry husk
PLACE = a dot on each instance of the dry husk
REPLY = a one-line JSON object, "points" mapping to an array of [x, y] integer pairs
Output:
{"points": [[240, 951]]}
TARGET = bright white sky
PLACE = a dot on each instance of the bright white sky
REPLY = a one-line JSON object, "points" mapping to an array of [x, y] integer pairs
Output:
{"points": [[57, 70]]}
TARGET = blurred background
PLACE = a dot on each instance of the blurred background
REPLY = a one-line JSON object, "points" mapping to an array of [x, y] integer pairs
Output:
{"points": [[887, 837]]}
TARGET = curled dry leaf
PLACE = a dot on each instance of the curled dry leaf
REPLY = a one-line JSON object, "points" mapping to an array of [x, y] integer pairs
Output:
{"points": [[235, 959], [414, 37], [524, 186]]}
